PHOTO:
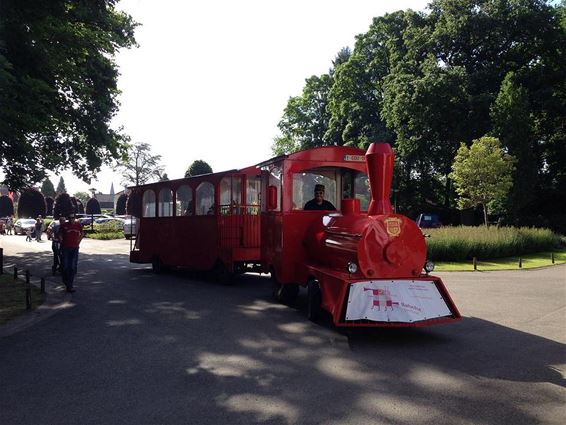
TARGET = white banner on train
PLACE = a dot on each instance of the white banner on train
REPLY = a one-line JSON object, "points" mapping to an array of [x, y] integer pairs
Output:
{"points": [[403, 301]]}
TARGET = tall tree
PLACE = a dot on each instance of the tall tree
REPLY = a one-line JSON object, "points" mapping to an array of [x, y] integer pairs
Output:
{"points": [[482, 174], [47, 188], [197, 168], [61, 186], [141, 166], [305, 120], [31, 204], [82, 196], [58, 86]]}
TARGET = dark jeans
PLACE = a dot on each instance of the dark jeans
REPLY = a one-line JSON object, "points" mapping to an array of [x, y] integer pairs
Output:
{"points": [[69, 259], [56, 247]]}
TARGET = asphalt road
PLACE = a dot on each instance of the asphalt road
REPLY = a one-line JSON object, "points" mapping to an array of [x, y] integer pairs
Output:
{"points": [[130, 347]]}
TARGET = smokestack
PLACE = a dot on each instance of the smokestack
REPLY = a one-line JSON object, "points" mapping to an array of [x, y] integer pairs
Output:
{"points": [[379, 160]]}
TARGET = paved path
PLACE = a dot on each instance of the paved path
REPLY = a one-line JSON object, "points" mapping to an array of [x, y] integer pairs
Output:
{"points": [[134, 348]]}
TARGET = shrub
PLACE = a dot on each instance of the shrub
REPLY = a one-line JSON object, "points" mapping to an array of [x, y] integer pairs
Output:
{"points": [[63, 206], [121, 204], [92, 206], [31, 204], [6, 206], [463, 242]]}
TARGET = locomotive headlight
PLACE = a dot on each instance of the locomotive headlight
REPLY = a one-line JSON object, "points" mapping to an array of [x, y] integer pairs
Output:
{"points": [[428, 266], [352, 267]]}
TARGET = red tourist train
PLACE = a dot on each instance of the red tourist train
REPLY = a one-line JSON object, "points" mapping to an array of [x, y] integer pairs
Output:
{"points": [[362, 263]]}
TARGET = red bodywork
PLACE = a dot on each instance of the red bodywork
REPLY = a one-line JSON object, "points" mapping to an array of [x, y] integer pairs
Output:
{"points": [[299, 246], [228, 236]]}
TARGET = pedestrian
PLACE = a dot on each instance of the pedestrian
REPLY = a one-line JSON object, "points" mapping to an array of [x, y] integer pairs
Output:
{"points": [[9, 225], [28, 234], [70, 236], [56, 245], [38, 228]]}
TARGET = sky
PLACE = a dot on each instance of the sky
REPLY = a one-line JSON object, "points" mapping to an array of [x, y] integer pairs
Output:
{"points": [[210, 79]]}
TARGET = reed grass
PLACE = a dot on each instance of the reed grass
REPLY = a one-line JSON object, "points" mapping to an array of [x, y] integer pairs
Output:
{"points": [[465, 242]]}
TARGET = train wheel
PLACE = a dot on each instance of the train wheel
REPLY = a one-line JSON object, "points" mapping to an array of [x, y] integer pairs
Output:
{"points": [[314, 300]]}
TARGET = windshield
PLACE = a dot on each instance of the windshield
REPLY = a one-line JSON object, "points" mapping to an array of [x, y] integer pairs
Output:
{"points": [[337, 183]]}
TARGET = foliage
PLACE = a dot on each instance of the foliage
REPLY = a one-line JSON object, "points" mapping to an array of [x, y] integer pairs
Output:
{"points": [[93, 206], [134, 203], [105, 231], [78, 205], [49, 201], [463, 243], [482, 174], [61, 186], [47, 188], [427, 82], [82, 196], [197, 168], [121, 204], [141, 165], [63, 206], [58, 81], [31, 204], [6, 206], [306, 117]]}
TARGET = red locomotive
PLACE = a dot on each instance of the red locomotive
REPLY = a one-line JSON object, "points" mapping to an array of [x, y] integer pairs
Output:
{"points": [[361, 263]]}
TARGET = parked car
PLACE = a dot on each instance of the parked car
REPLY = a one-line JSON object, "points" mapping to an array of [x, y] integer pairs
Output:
{"points": [[22, 224], [130, 227], [428, 221]]}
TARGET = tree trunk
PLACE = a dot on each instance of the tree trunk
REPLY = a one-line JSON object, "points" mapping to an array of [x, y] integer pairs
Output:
{"points": [[485, 213]]}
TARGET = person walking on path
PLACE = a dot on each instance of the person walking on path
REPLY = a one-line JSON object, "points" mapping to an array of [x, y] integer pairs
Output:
{"points": [[9, 225], [56, 245], [70, 236], [38, 228], [28, 234]]}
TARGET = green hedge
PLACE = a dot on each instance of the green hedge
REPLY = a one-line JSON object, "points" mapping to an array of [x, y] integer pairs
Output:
{"points": [[465, 242], [105, 231]]}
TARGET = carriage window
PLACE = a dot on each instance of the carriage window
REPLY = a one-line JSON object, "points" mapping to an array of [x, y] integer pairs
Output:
{"points": [[148, 203], [355, 184], [184, 201], [231, 192], [304, 183], [252, 195], [205, 199], [275, 179], [165, 202]]}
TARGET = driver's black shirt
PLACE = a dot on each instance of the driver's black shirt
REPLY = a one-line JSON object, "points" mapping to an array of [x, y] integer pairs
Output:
{"points": [[312, 205]]}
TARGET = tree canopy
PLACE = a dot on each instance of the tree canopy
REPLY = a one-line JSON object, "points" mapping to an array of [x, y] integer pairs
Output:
{"points": [[58, 89], [140, 165], [61, 187], [428, 81], [197, 168], [482, 174], [47, 188]]}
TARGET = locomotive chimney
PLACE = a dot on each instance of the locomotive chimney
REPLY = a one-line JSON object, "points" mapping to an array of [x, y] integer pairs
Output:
{"points": [[379, 160]]}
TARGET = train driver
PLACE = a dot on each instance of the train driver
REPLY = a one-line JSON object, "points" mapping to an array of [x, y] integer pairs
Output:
{"points": [[319, 203]]}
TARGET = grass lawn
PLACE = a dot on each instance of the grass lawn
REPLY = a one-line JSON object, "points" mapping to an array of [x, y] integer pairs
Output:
{"points": [[510, 263], [13, 297]]}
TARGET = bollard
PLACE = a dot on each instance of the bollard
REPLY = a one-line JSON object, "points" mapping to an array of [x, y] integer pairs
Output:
{"points": [[552, 257], [43, 285], [28, 291], [1, 260], [475, 261], [15, 272], [520, 263]]}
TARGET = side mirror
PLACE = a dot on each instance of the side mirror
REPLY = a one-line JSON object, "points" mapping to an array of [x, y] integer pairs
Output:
{"points": [[271, 198]]}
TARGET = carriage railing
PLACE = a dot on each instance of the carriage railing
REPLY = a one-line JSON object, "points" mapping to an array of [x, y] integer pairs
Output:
{"points": [[239, 226]]}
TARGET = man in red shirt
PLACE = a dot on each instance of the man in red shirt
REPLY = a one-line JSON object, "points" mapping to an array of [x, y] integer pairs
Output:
{"points": [[70, 236]]}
